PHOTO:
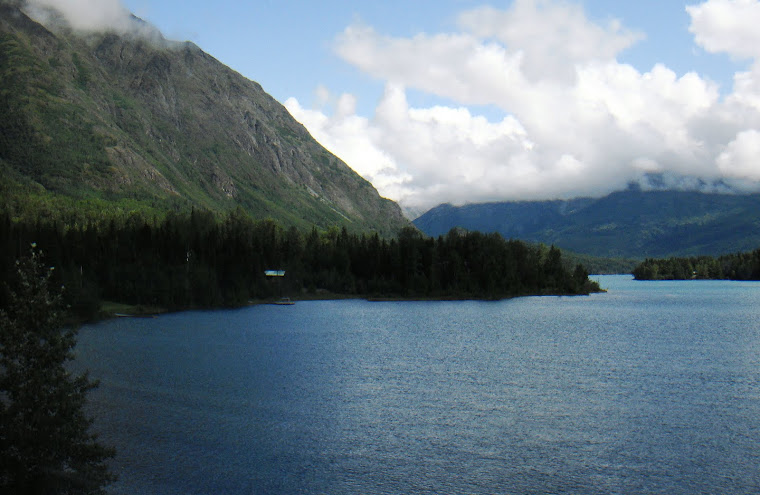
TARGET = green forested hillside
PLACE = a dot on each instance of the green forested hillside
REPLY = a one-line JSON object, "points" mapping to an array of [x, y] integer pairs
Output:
{"points": [[138, 123], [625, 224]]}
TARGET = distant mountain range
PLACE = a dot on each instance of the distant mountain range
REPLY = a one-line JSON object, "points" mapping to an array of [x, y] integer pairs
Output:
{"points": [[629, 224], [138, 120]]}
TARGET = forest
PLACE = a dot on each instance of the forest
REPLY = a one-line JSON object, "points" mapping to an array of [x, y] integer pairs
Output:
{"points": [[738, 266], [201, 260]]}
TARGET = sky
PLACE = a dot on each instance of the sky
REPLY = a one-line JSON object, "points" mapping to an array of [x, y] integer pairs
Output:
{"points": [[461, 101]]}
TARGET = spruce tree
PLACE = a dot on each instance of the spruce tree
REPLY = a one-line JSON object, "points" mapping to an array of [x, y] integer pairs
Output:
{"points": [[46, 446]]}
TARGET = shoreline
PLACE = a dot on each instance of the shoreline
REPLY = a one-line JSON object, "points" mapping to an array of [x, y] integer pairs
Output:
{"points": [[110, 309]]}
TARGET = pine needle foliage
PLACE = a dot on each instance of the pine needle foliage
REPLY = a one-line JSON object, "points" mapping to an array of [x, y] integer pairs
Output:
{"points": [[46, 446]]}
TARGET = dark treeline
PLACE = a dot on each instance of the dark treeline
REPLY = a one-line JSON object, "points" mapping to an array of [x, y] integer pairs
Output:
{"points": [[198, 260], [739, 266]]}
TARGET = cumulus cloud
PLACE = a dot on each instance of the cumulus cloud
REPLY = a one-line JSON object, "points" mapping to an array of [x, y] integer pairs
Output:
{"points": [[727, 26], [459, 65], [741, 158], [577, 121], [551, 38]]}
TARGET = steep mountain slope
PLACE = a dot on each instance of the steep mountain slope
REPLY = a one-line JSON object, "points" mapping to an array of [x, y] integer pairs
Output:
{"points": [[630, 223], [134, 117]]}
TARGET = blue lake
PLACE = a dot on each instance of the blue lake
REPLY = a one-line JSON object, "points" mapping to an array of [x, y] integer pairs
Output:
{"points": [[653, 387]]}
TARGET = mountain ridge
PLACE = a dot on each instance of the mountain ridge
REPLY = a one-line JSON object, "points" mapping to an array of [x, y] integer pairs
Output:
{"points": [[631, 223], [121, 116]]}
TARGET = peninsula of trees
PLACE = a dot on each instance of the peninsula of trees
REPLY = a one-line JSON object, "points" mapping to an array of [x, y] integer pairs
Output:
{"points": [[200, 260]]}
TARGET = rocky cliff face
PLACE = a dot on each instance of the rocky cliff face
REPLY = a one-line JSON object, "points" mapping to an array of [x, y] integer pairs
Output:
{"points": [[119, 115]]}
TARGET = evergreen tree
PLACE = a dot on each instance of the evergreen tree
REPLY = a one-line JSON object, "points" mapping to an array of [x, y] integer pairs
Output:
{"points": [[45, 443]]}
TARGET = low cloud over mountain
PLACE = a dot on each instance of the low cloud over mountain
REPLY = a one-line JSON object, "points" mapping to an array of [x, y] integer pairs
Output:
{"points": [[91, 16]]}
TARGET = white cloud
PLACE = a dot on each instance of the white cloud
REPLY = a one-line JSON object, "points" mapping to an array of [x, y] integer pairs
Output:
{"points": [[416, 138], [551, 37], [746, 92], [90, 15], [727, 26], [446, 151], [459, 65], [741, 158]]}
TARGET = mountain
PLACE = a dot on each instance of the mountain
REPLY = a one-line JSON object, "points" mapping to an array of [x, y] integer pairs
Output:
{"points": [[629, 224], [140, 122]]}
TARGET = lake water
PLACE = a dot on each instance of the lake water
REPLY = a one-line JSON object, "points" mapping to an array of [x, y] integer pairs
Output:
{"points": [[653, 387]]}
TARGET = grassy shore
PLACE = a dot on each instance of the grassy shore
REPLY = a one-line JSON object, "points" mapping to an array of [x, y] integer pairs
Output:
{"points": [[110, 309]]}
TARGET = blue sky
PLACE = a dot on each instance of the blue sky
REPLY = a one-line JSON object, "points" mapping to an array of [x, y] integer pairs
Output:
{"points": [[468, 101]]}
